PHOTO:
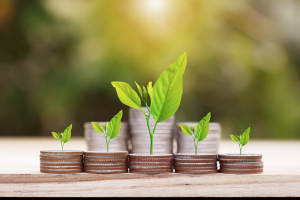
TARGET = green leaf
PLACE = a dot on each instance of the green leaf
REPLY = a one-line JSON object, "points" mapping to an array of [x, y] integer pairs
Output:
{"points": [[104, 127], [192, 128], [97, 127], [245, 137], [66, 135], [139, 89], [185, 129], [241, 140], [127, 95], [150, 89], [234, 138], [145, 94], [114, 125], [202, 128], [55, 135], [167, 90]]}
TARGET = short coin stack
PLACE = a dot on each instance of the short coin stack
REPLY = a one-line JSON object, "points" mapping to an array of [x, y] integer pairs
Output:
{"points": [[210, 144], [240, 164], [139, 133], [96, 141], [58, 162], [151, 164], [106, 162], [195, 164]]}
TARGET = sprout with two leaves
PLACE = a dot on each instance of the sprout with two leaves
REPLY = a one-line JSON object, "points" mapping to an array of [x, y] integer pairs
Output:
{"points": [[109, 130], [198, 132], [165, 95], [242, 140], [64, 137]]}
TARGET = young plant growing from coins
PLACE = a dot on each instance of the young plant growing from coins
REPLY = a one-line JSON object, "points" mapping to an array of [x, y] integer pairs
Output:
{"points": [[242, 140], [165, 95], [64, 137], [198, 132], [109, 130]]}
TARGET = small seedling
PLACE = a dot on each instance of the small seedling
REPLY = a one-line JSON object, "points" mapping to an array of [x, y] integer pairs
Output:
{"points": [[242, 140], [109, 130], [165, 95], [198, 132], [64, 137]]}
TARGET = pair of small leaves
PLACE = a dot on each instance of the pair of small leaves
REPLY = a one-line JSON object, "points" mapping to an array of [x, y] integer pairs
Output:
{"points": [[165, 95], [200, 130], [64, 136], [143, 93], [242, 139], [111, 129]]}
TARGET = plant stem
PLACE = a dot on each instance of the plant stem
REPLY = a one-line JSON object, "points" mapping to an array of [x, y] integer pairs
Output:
{"points": [[240, 148], [151, 145], [62, 146], [107, 143], [195, 146], [149, 129]]}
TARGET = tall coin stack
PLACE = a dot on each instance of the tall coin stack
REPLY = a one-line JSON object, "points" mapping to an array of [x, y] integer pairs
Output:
{"points": [[195, 164], [139, 133], [151, 164], [96, 141], [240, 164], [58, 162], [106, 163], [185, 143]]}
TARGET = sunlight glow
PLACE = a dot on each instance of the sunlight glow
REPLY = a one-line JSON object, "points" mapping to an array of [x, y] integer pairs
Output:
{"points": [[154, 5]]}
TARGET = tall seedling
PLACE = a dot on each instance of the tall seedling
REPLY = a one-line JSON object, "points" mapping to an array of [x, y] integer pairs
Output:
{"points": [[109, 130], [64, 137], [198, 132], [165, 95]]}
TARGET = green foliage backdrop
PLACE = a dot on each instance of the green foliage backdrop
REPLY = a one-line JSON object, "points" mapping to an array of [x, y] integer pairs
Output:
{"points": [[58, 57]]}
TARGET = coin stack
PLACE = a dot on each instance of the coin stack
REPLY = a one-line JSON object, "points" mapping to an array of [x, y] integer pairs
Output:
{"points": [[58, 162], [139, 133], [195, 164], [185, 143], [105, 162], [240, 164], [96, 141], [151, 164]]}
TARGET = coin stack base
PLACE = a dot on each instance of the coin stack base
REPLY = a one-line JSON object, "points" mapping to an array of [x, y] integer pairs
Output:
{"points": [[105, 162], [240, 164], [195, 164], [58, 162], [151, 164]]}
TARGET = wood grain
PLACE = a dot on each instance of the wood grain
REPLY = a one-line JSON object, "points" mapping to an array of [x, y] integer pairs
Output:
{"points": [[20, 176]]}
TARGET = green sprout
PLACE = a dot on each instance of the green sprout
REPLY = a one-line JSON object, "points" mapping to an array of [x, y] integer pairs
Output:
{"points": [[64, 137], [165, 95], [242, 140], [198, 132], [109, 130]]}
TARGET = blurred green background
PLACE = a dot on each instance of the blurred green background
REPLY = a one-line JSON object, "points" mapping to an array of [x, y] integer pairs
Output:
{"points": [[58, 57]]}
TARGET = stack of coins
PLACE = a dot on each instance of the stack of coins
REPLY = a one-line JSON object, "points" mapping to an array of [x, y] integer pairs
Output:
{"points": [[139, 133], [185, 143], [151, 164], [241, 164], [106, 163], [195, 164], [58, 162], [96, 141]]}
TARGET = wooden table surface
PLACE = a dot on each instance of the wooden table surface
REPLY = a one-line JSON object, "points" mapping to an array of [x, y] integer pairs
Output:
{"points": [[20, 176]]}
